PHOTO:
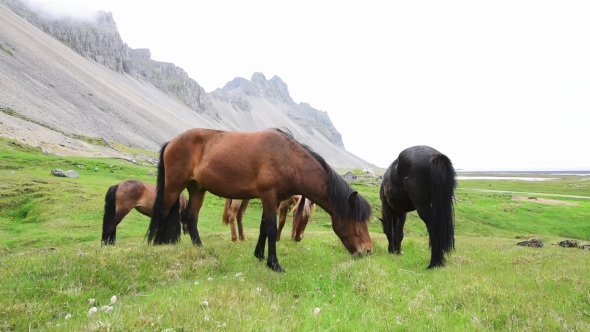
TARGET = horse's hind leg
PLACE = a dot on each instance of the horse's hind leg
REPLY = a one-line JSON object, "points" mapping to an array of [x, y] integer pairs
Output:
{"points": [[233, 212], [436, 253], [240, 219], [195, 202], [109, 230]]}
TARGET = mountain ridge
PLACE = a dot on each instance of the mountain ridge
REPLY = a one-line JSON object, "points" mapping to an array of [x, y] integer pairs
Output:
{"points": [[118, 98]]}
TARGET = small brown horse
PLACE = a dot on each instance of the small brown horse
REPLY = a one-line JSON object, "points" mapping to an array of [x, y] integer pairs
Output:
{"points": [[420, 179], [125, 196], [234, 209], [302, 210], [272, 166]]}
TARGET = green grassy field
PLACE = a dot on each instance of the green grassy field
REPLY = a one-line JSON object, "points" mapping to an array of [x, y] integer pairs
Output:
{"points": [[51, 263]]}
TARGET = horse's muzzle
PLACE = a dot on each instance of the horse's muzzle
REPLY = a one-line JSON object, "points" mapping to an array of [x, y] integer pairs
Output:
{"points": [[360, 254]]}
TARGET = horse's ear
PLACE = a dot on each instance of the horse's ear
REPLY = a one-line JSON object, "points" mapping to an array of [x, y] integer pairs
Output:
{"points": [[352, 198]]}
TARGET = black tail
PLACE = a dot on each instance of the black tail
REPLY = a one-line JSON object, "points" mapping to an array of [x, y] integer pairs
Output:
{"points": [[442, 188], [110, 208], [164, 230]]}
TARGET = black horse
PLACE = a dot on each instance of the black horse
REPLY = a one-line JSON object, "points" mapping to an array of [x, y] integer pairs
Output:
{"points": [[421, 179]]}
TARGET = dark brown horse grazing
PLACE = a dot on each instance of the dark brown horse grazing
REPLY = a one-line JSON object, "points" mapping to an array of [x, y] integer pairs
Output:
{"points": [[234, 209], [421, 179], [272, 166], [123, 197]]}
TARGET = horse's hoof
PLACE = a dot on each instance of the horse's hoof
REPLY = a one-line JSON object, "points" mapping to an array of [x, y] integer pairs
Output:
{"points": [[432, 266], [275, 266], [260, 256]]}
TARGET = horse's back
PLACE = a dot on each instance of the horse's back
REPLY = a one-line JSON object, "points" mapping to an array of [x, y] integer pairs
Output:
{"points": [[233, 164]]}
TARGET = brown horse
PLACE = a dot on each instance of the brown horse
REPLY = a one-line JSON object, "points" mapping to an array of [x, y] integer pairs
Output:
{"points": [[272, 166], [123, 197], [234, 209]]}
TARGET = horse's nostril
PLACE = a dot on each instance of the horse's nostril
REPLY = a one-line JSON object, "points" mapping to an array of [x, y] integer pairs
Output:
{"points": [[369, 251]]}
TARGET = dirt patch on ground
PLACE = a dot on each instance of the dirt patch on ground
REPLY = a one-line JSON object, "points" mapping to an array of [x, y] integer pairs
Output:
{"points": [[544, 200]]}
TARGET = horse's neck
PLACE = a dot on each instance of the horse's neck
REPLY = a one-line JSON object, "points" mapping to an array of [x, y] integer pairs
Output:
{"points": [[314, 188]]}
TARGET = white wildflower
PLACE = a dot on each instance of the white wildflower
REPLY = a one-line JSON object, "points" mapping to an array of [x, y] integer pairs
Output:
{"points": [[209, 279], [196, 282], [92, 310], [258, 289], [205, 303], [91, 301], [113, 299], [239, 274], [68, 316], [316, 311]]}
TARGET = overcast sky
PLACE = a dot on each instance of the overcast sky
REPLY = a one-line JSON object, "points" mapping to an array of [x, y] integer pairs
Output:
{"points": [[495, 85]]}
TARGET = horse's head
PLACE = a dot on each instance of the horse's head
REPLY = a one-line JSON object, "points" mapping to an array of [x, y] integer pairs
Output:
{"points": [[351, 227]]}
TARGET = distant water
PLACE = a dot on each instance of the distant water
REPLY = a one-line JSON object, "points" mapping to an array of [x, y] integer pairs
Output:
{"points": [[513, 178], [574, 173]]}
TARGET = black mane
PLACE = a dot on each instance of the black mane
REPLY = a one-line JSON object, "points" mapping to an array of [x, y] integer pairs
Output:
{"points": [[338, 189]]}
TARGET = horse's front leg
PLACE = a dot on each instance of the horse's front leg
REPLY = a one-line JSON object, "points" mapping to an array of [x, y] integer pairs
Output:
{"points": [[399, 220], [387, 221], [283, 210], [195, 202]]}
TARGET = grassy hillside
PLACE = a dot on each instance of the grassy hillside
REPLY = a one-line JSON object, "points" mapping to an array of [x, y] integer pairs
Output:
{"points": [[52, 263]]}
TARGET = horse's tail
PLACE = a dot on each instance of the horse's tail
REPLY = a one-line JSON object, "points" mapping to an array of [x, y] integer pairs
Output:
{"points": [[225, 216], [442, 188], [164, 231], [110, 207]]}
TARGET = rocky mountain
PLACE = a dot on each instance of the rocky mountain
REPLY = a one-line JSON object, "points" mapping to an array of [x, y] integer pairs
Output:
{"points": [[66, 78]]}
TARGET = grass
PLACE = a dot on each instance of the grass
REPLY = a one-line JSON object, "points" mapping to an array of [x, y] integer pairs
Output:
{"points": [[52, 263], [6, 50]]}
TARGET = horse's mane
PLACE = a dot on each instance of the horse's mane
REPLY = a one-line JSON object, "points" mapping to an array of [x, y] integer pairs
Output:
{"points": [[338, 189]]}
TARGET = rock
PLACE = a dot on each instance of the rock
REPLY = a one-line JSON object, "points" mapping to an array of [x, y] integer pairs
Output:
{"points": [[58, 172], [96, 169], [61, 173], [72, 174], [568, 243], [151, 173], [584, 245], [535, 243]]}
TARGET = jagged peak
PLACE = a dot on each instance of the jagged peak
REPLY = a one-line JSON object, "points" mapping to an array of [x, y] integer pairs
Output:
{"points": [[235, 83], [258, 77], [276, 79]]}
